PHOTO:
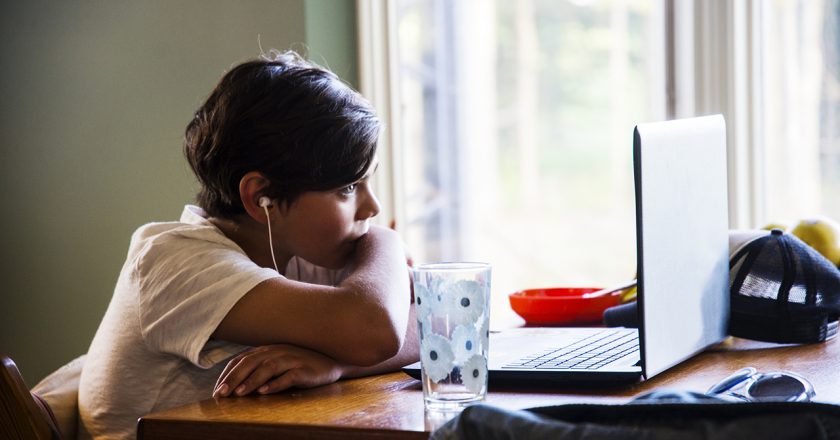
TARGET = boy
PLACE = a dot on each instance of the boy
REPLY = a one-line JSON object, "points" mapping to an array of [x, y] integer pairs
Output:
{"points": [[279, 252]]}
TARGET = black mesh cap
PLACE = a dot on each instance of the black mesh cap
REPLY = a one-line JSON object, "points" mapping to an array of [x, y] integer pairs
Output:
{"points": [[782, 290]]}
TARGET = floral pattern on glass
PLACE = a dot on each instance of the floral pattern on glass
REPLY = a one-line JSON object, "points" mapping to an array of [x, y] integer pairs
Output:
{"points": [[436, 357]]}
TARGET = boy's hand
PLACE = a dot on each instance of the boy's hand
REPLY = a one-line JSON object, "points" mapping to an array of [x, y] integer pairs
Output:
{"points": [[272, 368]]}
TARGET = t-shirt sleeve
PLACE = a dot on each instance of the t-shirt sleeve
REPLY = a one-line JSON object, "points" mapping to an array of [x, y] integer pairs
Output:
{"points": [[188, 282], [301, 270]]}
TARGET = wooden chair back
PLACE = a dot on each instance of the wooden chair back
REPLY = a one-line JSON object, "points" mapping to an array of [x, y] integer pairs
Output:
{"points": [[21, 417]]}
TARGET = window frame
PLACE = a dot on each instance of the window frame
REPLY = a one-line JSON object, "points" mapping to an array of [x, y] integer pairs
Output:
{"points": [[379, 82], [712, 64], [712, 51]]}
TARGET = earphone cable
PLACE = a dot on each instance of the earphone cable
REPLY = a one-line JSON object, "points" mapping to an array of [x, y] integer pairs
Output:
{"points": [[270, 240]]}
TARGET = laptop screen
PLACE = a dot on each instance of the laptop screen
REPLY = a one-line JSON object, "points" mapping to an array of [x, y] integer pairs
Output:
{"points": [[682, 238]]}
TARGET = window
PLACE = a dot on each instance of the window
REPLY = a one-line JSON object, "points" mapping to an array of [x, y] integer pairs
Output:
{"points": [[516, 134], [511, 121], [799, 79]]}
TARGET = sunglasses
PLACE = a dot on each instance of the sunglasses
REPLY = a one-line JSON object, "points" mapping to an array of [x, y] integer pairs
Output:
{"points": [[747, 384]]}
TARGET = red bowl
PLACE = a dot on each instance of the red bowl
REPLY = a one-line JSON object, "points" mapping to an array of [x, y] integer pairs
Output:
{"points": [[561, 305]]}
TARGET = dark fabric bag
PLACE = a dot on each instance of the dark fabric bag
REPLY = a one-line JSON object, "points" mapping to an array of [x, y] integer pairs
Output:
{"points": [[659, 415]]}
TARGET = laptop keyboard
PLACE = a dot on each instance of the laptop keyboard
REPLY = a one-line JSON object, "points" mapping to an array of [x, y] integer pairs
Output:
{"points": [[586, 354]]}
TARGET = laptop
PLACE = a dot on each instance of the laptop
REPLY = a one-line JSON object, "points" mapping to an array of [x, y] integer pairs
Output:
{"points": [[683, 271]]}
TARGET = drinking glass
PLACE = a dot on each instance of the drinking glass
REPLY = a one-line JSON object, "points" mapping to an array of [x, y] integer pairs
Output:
{"points": [[452, 303]]}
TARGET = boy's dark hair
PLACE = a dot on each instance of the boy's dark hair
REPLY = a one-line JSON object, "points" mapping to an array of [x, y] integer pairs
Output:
{"points": [[293, 121]]}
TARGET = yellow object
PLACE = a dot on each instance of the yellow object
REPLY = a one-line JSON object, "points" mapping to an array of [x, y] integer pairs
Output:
{"points": [[775, 225], [628, 295], [822, 234]]}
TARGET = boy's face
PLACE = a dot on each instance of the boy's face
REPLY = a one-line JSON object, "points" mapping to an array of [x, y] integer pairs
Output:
{"points": [[323, 226]]}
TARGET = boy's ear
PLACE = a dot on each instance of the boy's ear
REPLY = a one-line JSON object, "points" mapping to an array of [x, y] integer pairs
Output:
{"points": [[252, 187]]}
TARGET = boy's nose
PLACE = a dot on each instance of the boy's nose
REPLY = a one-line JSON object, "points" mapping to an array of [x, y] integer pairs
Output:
{"points": [[370, 206]]}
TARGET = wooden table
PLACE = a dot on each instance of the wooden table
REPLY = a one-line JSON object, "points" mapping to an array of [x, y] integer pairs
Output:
{"points": [[391, 405]]}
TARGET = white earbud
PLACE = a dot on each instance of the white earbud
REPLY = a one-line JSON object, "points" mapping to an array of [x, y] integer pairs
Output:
{"points": [[265, 202]]}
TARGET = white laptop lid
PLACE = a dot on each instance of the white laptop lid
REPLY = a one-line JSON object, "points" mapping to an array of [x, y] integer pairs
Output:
{"points": [[682, 233]]}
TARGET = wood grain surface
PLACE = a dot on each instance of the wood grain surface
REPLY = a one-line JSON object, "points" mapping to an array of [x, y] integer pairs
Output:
{"points": [[391, 405]]}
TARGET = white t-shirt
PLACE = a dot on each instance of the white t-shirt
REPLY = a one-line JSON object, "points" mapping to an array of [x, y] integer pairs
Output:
{"points": [[153, 350]]}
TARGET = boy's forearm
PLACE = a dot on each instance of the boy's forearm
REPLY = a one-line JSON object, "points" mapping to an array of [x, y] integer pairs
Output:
{"points": [[273, 368], [379, 287], [408, 354]]}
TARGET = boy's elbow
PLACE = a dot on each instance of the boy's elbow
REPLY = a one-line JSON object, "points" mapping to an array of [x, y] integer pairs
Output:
{"points": [[381, 345], [390, 345], [379, 330], [375, 355]]}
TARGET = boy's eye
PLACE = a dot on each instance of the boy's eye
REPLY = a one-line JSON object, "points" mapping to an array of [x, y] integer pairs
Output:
{"points": [[349, 189]]}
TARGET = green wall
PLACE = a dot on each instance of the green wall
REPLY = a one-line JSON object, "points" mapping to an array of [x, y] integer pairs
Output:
{"points": [[94, 98]]}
